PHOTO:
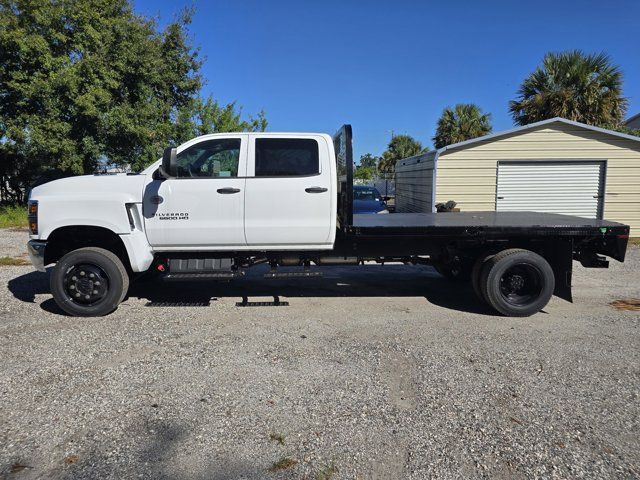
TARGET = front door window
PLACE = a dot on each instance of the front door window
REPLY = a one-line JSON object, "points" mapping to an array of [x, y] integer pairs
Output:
{"points": [[211, 158]]}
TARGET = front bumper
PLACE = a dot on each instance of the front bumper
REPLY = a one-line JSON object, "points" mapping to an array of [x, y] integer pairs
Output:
{"points": [[35, 248]]}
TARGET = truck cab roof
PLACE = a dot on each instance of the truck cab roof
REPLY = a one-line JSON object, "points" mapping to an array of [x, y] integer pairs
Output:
{"points": [[210, 136]]}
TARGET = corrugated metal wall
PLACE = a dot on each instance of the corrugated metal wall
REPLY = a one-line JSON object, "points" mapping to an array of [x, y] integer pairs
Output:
{"points": [[414, 184], [567, 187]]}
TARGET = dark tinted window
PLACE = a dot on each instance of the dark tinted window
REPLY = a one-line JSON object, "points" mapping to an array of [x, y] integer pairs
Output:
{"points": [[286, 157], [211, 158]]}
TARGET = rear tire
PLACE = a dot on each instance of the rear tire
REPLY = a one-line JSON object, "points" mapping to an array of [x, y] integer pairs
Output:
{"points": [[517, 282], [476, 274], [89, 282]]}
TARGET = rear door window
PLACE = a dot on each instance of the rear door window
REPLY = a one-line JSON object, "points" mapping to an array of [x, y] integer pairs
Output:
{"points": [[286, 157]]}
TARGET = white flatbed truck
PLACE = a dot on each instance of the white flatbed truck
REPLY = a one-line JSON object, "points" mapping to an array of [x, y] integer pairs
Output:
{"points": [[222, 203]]}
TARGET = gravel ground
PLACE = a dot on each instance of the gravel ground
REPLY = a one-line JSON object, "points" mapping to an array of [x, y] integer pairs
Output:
{"points": [[13, 242], [370, 372]]}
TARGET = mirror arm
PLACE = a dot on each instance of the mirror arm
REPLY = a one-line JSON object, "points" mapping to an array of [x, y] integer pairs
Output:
{"points": [[162, 174]]}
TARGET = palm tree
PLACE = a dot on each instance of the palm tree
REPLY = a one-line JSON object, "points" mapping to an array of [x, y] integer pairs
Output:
{"points": [[400, 146], [463, 122], [574, 85]]}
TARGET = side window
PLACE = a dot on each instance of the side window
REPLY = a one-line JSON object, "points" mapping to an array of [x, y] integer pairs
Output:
{"points": [[286, 157], [211, 158]]}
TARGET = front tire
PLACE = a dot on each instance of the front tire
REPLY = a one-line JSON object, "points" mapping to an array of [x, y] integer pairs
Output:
{"points": [[89, 282], [517, 282]]}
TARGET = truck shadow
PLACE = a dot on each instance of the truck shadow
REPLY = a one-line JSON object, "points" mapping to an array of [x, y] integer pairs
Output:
{"points": [[345, 281], [348, 281], [160, 454]]}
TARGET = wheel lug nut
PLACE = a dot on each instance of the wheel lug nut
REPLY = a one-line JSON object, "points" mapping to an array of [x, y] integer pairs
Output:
{"points": [[72, 287], [91, 275], [77, 294], [95, 292], [82, 274], [96, 283], [87, 297], [74, 278]]}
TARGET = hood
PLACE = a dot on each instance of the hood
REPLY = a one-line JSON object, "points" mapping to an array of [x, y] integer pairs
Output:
{"points": [[89, 200], [128, 187]]}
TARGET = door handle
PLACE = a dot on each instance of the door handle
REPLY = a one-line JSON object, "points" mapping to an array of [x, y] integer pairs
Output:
{"points": [[315, 189], [228, 190]]}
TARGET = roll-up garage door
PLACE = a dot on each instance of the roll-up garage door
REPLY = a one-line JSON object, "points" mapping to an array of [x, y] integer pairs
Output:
{"points": [[567, 187]]}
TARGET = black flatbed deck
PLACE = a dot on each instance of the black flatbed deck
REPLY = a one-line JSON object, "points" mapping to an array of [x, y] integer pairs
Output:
{"points": [[474, 223]]}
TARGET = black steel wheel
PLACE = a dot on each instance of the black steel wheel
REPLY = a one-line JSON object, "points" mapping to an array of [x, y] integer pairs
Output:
{"points": [[89, 282], [517, 282], [521, 284], [86, 284]]}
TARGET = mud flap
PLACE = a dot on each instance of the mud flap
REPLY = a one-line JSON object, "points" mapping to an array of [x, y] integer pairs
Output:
{"points": [[559, 254]]}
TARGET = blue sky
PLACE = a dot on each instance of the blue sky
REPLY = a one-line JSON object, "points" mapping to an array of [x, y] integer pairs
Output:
{"points": [[392, 65]]}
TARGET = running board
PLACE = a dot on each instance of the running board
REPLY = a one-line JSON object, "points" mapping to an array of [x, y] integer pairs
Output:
{"points": [[202, 276], [179, 303], [276, 303], [292, 274]]}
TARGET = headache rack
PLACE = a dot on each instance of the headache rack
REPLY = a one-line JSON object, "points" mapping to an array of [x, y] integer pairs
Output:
{"points": [[343, 145]]}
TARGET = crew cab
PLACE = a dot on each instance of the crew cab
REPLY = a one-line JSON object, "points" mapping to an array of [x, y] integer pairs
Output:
{"points": [[222, 203]]}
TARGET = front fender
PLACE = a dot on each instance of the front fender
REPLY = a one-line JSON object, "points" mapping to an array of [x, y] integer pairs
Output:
{"points": [[91, 200], [57, 212]]}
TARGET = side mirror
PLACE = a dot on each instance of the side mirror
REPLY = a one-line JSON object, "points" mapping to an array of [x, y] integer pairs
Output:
{"points": [[168, 167]]}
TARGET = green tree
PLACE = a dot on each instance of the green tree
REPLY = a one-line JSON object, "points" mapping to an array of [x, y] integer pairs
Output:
{"points": [[627, 130], [364, 173], [369, 161], [463, 122], [87, 80], [400, 146], [582, 87], [203, 116]]}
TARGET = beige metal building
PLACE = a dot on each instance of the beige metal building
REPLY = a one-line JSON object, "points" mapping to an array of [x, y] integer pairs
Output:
{"points": [[556, 166]]}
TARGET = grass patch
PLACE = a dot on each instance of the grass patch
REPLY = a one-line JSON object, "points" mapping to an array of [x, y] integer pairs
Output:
{"points": [[630, 304], [12, 216], [13, 261], [634, 241], [283, 464], [327, 472], [277, 437]]}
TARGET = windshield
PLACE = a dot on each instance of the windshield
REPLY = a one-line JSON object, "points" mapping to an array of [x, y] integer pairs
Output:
{"points": [[366, 194]]}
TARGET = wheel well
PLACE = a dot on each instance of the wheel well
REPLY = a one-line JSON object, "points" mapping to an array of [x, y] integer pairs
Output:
{"points": [[65, 239], [558, 251]]}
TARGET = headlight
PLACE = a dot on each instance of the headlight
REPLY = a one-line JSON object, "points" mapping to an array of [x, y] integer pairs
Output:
{"points": [[32, 216]]}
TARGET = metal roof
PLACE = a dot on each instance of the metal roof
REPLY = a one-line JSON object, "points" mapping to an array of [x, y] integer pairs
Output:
{"points": [[631, 119], [530, 126]]}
